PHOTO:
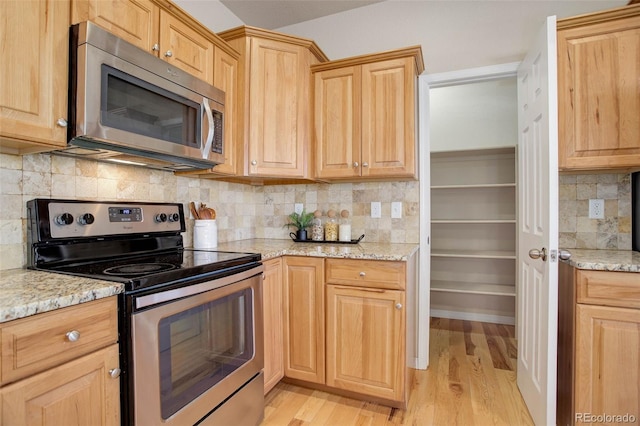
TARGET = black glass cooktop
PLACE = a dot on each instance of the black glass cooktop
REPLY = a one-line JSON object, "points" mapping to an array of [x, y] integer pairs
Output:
{"points": [[150, 270]]}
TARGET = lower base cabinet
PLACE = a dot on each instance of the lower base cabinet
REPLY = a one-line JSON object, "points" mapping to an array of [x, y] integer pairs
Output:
{"points": [[366, 341], [598, 347], [78, 393], [345, 326], [273, 323]]}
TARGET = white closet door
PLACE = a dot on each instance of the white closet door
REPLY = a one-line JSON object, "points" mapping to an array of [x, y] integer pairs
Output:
{"points": [[537, 291]]}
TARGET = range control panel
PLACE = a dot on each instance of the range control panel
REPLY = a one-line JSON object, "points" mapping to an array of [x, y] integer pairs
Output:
{"points": [[72, 219]]}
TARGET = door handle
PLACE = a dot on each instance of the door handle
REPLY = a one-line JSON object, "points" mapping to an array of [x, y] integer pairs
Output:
{"points": [[564, 254], [538, 254]]}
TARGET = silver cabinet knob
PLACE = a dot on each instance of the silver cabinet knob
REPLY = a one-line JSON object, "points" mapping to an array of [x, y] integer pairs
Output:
{"points": [[168, 53], [538, 254], [254, 162], [398, 305], [115, 373], [564, 254], [362, 274], [61, 122], [73, 336], [355, 164], [155, 47], [365, 164]]}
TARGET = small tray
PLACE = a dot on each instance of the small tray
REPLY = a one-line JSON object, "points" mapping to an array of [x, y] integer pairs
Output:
{"points": [[356, 241]]}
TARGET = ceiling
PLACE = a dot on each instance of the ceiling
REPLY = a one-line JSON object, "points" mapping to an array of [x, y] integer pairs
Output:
{"points": [[272, 14]]}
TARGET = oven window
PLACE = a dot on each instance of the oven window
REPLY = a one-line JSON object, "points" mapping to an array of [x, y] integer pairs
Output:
{"points": [[203, 345], [136, 106]]}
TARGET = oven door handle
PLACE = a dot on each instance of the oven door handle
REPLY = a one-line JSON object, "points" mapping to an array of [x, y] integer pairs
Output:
{"points": [[190, 290]]}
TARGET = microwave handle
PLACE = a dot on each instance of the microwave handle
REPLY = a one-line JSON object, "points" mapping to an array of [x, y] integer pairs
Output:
{"points": [[207, 146]]}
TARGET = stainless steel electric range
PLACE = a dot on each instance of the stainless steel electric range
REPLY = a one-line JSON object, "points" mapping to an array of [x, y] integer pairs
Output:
{"points": [[190, 321]]}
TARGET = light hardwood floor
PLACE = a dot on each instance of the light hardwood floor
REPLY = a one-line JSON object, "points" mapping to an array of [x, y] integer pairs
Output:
{"points": [[471, 380]]}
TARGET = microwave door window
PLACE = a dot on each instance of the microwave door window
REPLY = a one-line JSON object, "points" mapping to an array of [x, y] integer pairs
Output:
{"points": [[132, 105]]}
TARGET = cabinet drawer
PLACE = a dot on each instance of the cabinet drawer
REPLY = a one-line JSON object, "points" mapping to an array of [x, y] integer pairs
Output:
{"points": [[366, 273], [36, 343], [608, 288]]}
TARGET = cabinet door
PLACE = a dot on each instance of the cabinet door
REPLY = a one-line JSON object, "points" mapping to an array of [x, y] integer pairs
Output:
{"points": [[34, 40], [304, 319], [337, 122], [185, 48], [388, 118], [599, 95], [278, 107], [78, 393], [366, 341], [607, 370], [273, 323], [135, 21], [225, 77]]}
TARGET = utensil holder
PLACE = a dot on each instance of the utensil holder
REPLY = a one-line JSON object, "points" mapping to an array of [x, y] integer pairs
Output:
{"points": [[205, 234]]}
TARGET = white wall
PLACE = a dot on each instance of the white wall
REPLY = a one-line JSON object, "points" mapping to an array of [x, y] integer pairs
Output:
{"points": [[474, 116], [211, 13], [454, 35]]}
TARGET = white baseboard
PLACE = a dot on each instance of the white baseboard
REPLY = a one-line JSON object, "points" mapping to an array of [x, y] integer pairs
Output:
{"points": [[471, 316]]}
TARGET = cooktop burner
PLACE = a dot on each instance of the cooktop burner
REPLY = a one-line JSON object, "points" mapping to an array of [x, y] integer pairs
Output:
{"points": [[138, 269]]}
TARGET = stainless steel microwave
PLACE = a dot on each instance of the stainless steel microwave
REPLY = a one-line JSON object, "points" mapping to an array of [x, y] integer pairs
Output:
{"points": [[129, 106]]}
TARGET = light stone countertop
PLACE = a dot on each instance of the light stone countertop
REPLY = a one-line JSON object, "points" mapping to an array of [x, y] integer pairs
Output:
{"points": [[369, 251], [605, 260], [24, 292]]}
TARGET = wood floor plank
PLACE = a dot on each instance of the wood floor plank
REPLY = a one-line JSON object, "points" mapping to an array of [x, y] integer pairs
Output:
{"points": [[463, 386]]}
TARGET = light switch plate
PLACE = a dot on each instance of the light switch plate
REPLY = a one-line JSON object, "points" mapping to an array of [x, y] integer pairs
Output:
{"points": [[376, 209], [396, 209]]}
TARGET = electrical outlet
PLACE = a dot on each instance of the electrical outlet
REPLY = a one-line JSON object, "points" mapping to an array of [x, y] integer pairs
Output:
{"points": [[396, 209], [376, 209], [298, 207], [596, 209]]}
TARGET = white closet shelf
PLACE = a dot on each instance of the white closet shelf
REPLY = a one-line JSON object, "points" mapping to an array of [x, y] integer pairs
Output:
{"points": [[475, 186], [488, 289], [476, 254], [472, 221]]}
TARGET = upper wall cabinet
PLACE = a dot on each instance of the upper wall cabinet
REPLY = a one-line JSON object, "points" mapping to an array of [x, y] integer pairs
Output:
{"points": [[33, 82], [364, 115], [273, 131], [599, 90], [159, 27]]}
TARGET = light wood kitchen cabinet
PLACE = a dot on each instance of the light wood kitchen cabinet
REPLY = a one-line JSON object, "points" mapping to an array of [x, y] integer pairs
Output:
{"points": [[366, 341], [62, 367], [304, 332], [273, 130], [33, 81], [598, 90], [598, 344], [159, 27], [364, 115], [273, 323]]}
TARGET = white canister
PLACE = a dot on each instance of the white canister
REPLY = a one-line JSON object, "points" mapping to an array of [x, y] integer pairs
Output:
{"points": [[344, 232], [205, 234]]}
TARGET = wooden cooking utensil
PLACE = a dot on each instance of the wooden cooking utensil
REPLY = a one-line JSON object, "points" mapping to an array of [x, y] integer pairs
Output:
{"points": [[194, 212]]}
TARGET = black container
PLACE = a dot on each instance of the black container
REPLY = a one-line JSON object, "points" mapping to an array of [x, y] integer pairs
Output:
{"points": [[635, 210]]}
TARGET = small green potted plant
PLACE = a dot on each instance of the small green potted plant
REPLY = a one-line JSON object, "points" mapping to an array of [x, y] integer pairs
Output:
{"points": [[301, 222]]}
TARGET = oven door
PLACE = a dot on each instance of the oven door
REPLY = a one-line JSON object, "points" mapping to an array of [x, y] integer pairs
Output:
{"points": [[193, 353]]}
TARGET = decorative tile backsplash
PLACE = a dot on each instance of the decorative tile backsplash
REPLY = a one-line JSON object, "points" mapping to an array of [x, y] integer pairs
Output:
{"points": [[243, 211], [577, 230]]}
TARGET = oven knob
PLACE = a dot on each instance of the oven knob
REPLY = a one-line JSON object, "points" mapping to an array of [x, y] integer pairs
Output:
{"points": [[174, 217], [161, 217], [86, 219], [64, 219]]}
